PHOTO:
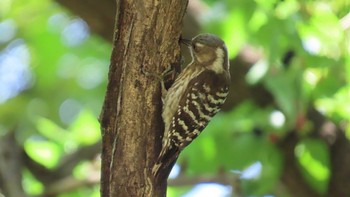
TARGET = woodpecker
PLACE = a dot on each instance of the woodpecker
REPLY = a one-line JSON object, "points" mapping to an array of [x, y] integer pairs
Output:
{"points": [[196, 95]]}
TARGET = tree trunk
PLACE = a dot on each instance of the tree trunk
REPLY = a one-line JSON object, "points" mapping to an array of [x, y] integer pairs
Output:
{"points": [[146, 36]]}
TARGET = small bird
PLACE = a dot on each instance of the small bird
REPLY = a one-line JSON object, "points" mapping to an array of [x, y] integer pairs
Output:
{"points": [[196, 95]]}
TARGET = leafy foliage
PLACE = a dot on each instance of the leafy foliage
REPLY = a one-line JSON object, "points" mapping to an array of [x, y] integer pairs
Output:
{"points": [[64, 68], [57, 112]]}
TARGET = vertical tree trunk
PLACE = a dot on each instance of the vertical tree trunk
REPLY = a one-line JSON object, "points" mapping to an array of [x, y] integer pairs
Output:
{"points": [[146, 35]]}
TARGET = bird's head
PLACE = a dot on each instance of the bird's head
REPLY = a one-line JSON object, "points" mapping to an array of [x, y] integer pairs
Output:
{"points": [[210, 51]]}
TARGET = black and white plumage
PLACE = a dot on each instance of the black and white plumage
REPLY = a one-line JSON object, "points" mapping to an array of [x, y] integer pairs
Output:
{"points": [[194, 98]]}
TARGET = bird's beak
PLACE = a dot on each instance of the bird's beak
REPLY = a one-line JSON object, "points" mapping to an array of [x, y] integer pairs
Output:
{"points": [[185, 41]]}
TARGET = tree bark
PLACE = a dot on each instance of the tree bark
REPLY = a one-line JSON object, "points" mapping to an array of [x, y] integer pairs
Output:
{"points": [[146, 36]]}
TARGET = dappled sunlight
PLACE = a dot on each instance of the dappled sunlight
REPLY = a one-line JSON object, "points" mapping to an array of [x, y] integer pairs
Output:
{"points": [[15, 75]]}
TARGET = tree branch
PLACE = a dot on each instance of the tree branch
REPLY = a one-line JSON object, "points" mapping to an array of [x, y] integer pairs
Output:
{"points": [[66, 166], [10, 166], [69, 184], [291, 175]]}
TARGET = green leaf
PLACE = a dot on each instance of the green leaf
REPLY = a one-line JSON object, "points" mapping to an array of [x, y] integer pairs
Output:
{"points": [[31, 185], [285, 90], [45, 152], [272, 163], [177, 191], [313, 156], [85, 129], [52, 131]]}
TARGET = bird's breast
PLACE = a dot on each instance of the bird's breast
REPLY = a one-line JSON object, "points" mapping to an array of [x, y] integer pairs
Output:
{"points": [[175, 93]]}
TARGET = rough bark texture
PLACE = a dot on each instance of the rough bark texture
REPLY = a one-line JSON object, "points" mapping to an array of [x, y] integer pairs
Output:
{"points": [[100, 16], [146, 36]]}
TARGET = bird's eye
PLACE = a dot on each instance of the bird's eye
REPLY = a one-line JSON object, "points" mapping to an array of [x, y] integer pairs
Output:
{"points": [[194, 46]]}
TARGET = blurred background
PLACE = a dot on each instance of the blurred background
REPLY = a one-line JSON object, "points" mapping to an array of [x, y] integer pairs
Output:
{"points": [[284, 130]]}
